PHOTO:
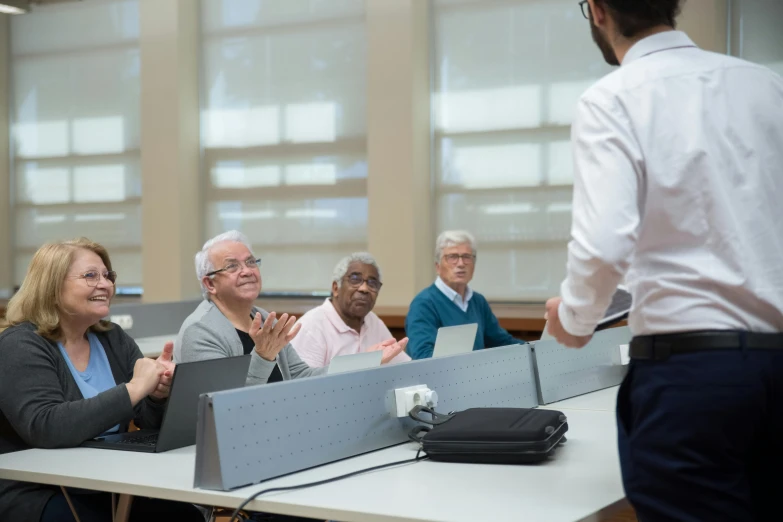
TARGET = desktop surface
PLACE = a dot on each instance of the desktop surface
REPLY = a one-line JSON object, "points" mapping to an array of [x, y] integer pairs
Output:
{"points": [[581, 480]]}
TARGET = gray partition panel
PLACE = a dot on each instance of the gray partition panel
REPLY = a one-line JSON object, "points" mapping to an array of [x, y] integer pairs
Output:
{"points": [[260, 432], [154, 319], [566, 372]]}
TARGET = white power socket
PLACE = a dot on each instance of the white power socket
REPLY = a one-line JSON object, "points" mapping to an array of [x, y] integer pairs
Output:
{"points": [[407, 398], [620, 356], [125, 321]]}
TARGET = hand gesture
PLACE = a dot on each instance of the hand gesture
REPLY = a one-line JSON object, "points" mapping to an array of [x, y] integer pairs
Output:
{"points": [[555, 327], [391, 348], [146, 377], [272, 337], [166, 360]]}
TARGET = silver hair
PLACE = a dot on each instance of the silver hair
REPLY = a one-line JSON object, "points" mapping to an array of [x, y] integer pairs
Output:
{"points": [[450, 238], [204, 263], [342, 266]]}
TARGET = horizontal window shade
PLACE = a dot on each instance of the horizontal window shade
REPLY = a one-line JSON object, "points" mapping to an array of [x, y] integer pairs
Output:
{"points": [[510, 216], [297, 269], [538, 269], [235, 15], [328, 172], [303, 86], [75, 130], [293, 222], [283, 132], [84, 103], [76, 26], [126, 264], [114, 226], [78, 180], [507, 79]]}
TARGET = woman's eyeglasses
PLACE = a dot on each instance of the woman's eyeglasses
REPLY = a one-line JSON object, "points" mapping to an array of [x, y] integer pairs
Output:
{"points": [[93, 277]]}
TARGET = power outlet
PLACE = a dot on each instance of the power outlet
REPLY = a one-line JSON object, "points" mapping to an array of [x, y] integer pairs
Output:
{"points": [[620, 356], [125, 321], [407, 398]]}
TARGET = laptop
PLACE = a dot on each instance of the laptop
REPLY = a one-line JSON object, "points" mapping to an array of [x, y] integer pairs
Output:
{"points": [[455, 340], [178, 429], [355, 361], [617, 311]]}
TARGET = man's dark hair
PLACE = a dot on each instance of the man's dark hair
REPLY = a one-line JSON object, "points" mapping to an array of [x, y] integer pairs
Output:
{"points": [[636, 16]]}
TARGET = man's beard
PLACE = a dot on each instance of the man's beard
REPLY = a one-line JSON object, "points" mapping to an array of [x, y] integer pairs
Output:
{"points": [[603, 44]]}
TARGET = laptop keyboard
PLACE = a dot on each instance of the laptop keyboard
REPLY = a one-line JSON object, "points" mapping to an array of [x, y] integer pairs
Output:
{"points": [[146, 440]]}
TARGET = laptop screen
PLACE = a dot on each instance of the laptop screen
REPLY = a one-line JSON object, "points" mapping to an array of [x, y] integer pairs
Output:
{"points": [[353, 362], [455, 340]]}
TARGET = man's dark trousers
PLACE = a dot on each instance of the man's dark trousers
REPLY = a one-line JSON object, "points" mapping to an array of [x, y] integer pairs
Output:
{"points": [[701, 436]]}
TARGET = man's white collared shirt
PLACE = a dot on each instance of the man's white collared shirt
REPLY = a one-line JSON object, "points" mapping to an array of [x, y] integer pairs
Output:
{"points": [[678, 183], [453, 296]]}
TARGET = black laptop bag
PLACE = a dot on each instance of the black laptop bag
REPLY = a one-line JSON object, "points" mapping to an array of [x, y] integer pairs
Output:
{"points": [[490, 435]]}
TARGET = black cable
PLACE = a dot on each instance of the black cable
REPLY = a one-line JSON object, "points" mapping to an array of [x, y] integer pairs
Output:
{"points": [[252, 497]]}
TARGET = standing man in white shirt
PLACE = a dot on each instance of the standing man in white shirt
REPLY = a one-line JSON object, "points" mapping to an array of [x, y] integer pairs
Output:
{"points": [[678, 187]]}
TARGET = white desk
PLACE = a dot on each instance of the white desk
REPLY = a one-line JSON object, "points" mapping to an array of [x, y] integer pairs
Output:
{"points": [[153, 346], [582, 481], [601, 400]]}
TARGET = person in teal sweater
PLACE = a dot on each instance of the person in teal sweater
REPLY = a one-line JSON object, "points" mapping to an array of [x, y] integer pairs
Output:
{"points": [[451, 302]]}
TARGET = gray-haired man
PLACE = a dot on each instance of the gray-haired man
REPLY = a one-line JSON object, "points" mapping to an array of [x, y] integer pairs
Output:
{"points": [[451, 302], [345, 323], [228, 323]]}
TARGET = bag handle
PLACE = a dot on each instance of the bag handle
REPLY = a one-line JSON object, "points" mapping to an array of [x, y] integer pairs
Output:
{"points": [[437, 418], [417, 433]]}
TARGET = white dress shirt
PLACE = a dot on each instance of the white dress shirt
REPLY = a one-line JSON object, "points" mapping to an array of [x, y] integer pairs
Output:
{"points": [[453, 296], [678, 187]]}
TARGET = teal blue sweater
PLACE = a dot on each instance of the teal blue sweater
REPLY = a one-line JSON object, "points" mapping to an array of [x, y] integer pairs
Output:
{"points": [[431, 309]]}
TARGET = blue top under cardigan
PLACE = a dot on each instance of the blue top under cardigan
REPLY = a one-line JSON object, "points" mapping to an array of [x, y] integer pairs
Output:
{"points": [[97, 377]]}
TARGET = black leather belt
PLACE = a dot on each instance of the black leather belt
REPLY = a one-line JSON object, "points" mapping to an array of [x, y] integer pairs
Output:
{"points": [[661, 347]]}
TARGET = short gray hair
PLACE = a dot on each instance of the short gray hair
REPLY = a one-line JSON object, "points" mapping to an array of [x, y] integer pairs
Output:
{"points": [[450, 238], [204, 264], [341, 269]]}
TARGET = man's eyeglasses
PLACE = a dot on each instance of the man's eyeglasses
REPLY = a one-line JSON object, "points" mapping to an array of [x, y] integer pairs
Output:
{"points": [[356, 280], [453, 259], [234, 266], [93, 277], [585, 8]]}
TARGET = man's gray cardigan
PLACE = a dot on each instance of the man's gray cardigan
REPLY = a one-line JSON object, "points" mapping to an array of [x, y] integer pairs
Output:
{"points": [[208, 334], [41, 406]]}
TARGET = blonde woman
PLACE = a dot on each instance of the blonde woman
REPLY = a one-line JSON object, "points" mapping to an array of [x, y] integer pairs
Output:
{"points": [[67, 376]]}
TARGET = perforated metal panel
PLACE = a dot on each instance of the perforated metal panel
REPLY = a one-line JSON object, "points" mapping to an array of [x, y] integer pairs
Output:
{"points": [[565, 372], [271, 430]]}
